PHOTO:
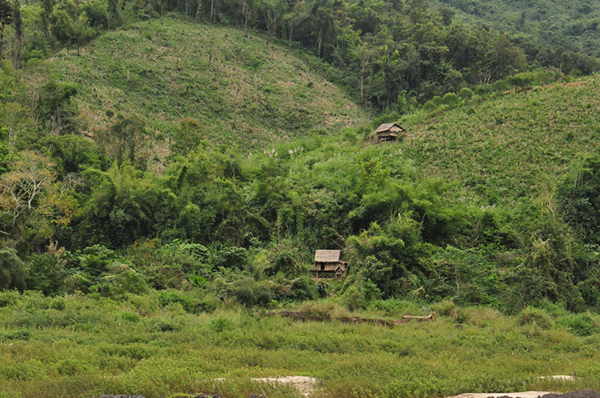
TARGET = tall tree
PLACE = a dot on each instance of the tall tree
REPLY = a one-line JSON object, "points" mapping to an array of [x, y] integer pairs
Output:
{"points": [[31, 200], [6, 15], [18, 24]]}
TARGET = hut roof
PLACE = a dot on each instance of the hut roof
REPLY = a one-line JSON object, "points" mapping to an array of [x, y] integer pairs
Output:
{"points": [[327, 256], [393, 127]]}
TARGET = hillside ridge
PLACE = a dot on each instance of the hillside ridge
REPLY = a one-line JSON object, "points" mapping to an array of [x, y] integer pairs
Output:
{"points": [[238, 86]]}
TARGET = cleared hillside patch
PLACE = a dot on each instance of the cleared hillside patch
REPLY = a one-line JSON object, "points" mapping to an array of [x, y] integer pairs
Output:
{"points": [[242, 88], [511, 146]]}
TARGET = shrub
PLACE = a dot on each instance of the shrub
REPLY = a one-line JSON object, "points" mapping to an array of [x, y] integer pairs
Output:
{"points": [[189, 304], [130, 317], [121, 280], [534, 316], [165, 325], [385, 118], [46, 273], [12, 270], [220, 324], [500, 85], [303, 289], [580, 324], [466, 93], [58, 303], [231, 257], [249, 292], [450, 99], [19, 335], [9, 298], [70, 367], [430, 106]]}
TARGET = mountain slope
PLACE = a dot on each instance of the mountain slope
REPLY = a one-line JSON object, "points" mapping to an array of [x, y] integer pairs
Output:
{"points": [[510, 146], [240, 87]]}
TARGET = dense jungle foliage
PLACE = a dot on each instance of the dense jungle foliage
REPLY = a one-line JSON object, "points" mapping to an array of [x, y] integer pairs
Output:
{"points": [[389, 55], [547, 30], [99, 198]]}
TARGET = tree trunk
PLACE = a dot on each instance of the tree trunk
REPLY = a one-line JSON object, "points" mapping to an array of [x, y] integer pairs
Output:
{"points": [[244, 11], [320, 40], [198, 12], [212, 8], [1, 39], [291, 32], [362, 87]]}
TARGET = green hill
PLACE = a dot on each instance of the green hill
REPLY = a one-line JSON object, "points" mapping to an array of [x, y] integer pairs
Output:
{"points": [[510, 146], [240, 87]]}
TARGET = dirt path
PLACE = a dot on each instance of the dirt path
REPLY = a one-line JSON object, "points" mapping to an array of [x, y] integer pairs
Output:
{"points": [[525, 394], [535, 394], [305, 385]]}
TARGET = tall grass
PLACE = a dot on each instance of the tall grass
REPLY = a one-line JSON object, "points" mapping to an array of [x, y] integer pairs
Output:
{"points": [[94, 346]]}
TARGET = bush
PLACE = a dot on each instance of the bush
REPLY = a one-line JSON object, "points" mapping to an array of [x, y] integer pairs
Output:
{"points": [[130, 317], [19, 335], [165, 325], [120, 281], [450, 99], [9, 298], [249, 292], [466, 93], [534, 316], [12, 270], [501, 85], [191, 305], [303, 288], [385, 118], [231, 257], [580, 324], [46, 274], [220, 324]]}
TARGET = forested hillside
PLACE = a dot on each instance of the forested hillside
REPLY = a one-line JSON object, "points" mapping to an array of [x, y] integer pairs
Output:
{"points": [[550, 32], [389, 55], [155, 147], [168, 169]]}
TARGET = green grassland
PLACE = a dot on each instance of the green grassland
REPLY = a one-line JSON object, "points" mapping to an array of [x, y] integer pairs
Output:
{"points": [[510, 146], [242, 87], [78, 346]]}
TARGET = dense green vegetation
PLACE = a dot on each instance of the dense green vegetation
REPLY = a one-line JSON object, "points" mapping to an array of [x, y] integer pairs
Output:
{"points": [[550, 32], [245, 227], [165, 178], [389, 55], [159, 346]]}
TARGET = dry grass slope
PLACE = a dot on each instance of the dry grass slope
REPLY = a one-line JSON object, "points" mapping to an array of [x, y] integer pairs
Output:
{"points": [[240, 86]]}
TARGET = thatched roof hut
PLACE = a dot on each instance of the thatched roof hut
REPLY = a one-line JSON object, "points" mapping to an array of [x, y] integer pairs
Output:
{"points": [[389, 132], [327, 256], [328, 264]]}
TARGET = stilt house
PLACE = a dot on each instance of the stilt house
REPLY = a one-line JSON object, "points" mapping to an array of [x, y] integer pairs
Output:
{"points": [[328, 264], [389, 132]]}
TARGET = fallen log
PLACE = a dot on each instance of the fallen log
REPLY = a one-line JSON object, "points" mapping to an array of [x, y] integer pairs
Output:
{"points": [[420, 318], [307, 316]]}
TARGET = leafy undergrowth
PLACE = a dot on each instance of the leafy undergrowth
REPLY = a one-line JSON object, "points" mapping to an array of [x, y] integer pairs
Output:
{"points": [[240, 87], [509, 146], [77, 346]]}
